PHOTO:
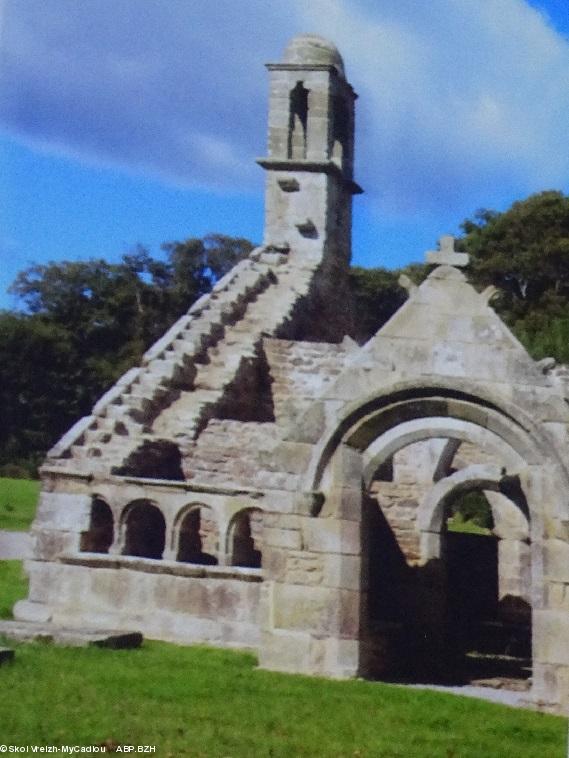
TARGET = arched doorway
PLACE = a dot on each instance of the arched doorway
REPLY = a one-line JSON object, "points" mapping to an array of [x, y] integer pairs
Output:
{"points": [[373, 432]]}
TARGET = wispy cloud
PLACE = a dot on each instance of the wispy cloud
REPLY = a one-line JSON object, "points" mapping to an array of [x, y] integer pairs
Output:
{"points": [[461, 101]]}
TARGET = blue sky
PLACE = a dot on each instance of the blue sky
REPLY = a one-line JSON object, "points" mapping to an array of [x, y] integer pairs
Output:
{"points": [[126, 121]]}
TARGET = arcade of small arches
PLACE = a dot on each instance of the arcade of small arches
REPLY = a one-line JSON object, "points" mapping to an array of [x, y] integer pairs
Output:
{"points": [[140, 529]]}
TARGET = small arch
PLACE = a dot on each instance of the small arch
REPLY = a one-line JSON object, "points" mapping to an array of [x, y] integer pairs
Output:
{"points": [[145, 530], [420, 429], [198, 537], [245, 532], [431, 512], [99, 537]]}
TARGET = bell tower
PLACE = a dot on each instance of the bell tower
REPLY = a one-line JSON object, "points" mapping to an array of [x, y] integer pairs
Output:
{"points": [[309, 183]]}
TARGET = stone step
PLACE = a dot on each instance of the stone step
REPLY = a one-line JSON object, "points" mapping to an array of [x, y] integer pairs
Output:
{"points": [[96, 436], [27, 631]]}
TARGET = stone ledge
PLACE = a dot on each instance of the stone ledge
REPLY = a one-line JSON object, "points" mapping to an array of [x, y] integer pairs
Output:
{"points": [[153, 566], [25, 631]]}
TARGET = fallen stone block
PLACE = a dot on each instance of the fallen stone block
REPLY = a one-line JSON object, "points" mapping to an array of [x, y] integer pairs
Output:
{"points": [[30, 632], [6, 655]]}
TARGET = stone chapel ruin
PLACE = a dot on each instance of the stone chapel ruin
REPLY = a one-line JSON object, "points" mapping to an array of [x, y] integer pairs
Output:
{"points": [[262, 481]]}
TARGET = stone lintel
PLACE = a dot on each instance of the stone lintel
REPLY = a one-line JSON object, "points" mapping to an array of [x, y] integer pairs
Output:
{"points": [[191, 487], [311, 166], [66, 473], [158, 566]]}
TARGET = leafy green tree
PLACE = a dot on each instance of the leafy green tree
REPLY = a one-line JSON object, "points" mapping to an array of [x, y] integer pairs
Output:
{"points": [[37, 370], [195, 265], [376, 295], [524, 252], [86, 322]]}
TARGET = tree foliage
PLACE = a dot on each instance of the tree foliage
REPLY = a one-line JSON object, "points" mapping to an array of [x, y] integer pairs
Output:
{"points": [[524, 252], [85, 323], [377, 294]]}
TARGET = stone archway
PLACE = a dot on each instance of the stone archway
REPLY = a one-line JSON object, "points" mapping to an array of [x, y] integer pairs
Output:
{"points": [[487, 576], [364, 436]]}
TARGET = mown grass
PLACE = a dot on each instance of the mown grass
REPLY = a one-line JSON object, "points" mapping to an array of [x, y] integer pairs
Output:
{"points": [[203, 702], [13, 586], [208, 703], [18, 501]]}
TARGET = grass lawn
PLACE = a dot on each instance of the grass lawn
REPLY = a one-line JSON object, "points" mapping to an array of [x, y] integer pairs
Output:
{"points": [[203, 702], [18, 500], [13, 586]]}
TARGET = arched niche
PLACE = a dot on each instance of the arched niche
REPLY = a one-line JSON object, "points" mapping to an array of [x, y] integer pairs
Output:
{"points": [[144, 530], [100, 535], [198, 536], [244, 538]]}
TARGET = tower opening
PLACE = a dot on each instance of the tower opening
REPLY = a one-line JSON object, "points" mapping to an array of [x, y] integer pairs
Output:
{"points": [[298, 122], [340, 133]]}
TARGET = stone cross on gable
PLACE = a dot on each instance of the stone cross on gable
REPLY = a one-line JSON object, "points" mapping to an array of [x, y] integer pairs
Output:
{"points": [[446, 255]]}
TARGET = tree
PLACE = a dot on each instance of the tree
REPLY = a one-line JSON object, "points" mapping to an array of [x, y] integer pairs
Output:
{"points": [[377, 294], [37, 369], [524, 252], [86, 323]]}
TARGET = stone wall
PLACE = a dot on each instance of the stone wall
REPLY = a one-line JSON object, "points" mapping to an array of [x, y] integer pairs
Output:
{"points": [[165, 600]]}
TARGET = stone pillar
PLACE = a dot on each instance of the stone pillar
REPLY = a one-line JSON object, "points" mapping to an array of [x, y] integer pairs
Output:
{"points": [[60, 519], [550, 587], [311, 599], [514, 570]]}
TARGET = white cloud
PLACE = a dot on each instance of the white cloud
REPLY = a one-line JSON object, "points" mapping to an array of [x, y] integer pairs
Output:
{"points": [[461, 101], [457, 97]]}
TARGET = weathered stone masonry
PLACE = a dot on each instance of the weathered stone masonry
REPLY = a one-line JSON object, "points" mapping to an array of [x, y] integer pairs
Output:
{"points": [[262, 481]]}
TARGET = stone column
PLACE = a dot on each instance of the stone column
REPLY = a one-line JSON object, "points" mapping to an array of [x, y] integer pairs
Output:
{"points": [[311, 597], [550, 587], [60, 519]]}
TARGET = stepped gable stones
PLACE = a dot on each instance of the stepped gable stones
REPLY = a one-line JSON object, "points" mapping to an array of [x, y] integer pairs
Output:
{"points": [[261, 481]]}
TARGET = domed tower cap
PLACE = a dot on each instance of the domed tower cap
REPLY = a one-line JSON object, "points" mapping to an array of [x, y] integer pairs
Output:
{"points": [[310, 49]]}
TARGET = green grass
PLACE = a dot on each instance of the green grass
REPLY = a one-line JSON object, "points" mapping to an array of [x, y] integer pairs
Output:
{"points": [[209, 703], [13, 586], [203, 702], [18, 500], [457, 524]]}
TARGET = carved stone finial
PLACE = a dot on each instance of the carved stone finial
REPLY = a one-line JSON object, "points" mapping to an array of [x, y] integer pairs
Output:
{"points": [[446, 255]]}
